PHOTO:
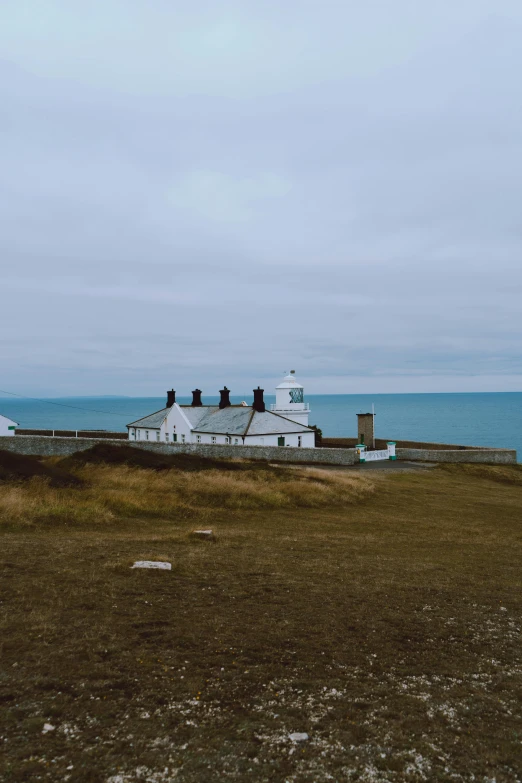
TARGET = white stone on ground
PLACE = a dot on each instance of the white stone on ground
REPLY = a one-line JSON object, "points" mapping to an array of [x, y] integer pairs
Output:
{"points": [[203, 533], [47, 727], [298, 736], [152, 564]]}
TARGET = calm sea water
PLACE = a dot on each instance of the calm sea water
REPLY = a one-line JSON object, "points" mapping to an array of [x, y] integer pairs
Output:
{"points": [[484, 419]]}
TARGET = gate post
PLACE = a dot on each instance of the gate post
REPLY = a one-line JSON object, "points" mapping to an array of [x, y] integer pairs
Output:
{"points": [[391, 449], [360, 449]]}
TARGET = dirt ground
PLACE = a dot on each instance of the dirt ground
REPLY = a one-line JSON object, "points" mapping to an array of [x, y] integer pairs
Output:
{"points": [[388, 631]]}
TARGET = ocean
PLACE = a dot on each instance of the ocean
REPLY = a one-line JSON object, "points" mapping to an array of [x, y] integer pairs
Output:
{"points": [[482, 419]]}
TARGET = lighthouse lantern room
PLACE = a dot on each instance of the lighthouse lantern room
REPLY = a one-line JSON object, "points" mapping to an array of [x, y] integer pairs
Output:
{"points": [[290, 400]]}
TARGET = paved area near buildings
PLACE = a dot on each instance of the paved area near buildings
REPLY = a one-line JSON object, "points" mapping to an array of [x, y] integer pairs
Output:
{"points": [[393, 465], [388, 465]]}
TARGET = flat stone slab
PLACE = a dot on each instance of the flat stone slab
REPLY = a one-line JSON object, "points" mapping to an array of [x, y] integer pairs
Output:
{"points": [[207, 534], [299, 736], [152, 564]]}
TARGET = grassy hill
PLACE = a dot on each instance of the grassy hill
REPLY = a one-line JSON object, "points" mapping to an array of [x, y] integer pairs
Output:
{"points": [[379, 615]]}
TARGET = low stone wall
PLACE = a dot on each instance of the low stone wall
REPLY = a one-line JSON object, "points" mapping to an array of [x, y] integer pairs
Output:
{"points": [[488, 456], [45, 446], [97, 434], [381, 443]]}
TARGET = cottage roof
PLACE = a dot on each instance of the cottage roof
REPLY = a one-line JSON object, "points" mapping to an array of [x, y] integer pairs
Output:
{"points": [[232, 420], [153, 420], [268, 423], [197, 413], [240, 420]]}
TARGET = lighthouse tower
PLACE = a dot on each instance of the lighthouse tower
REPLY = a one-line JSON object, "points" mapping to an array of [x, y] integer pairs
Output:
{"points": [[290, 402]]}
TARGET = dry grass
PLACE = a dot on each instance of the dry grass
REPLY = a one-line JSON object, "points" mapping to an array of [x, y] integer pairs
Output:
{"points": [[386, 625], [500, 474], [111, 492]]}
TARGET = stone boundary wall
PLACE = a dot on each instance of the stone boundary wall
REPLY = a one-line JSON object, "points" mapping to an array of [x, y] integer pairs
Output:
{"points": [[98, 434], [486, 455], [45, 446], [381, 443]]}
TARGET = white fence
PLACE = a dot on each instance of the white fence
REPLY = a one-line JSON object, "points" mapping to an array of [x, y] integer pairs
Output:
{"points": [[375, 456]]}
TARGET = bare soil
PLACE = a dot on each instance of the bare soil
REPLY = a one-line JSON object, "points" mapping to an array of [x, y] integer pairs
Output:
{"points": [[387, 626]]}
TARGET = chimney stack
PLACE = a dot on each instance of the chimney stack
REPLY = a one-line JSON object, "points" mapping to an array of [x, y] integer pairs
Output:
{"points": [[225, 398], [259, 403], [171, 398], [196, 398]]}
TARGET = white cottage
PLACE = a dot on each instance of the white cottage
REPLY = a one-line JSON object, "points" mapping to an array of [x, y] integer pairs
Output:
{"points": [[286, 424], [7, 426]]}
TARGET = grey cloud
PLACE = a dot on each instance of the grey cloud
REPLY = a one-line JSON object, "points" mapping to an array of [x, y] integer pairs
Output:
{"points": [[246, 188]]}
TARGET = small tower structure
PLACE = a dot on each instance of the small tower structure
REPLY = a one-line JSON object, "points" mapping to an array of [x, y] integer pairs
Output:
{"points": [[290, 400], [366, 430]]}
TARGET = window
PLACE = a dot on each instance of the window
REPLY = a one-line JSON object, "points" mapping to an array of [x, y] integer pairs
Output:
{"points": [[146, 434], [361, 439], [167, 437], [198, 438], [299, 440], [213, 438], [133, 433], [174, 437], [183, 439], [157, 434], [236, 441], [228, 440], [281, 441]]}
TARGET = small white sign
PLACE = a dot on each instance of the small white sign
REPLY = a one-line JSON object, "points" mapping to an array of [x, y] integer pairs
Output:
{"points": [[152, 564]]}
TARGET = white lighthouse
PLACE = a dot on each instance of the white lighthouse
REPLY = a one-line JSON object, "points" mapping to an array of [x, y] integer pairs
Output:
{"points": [[290, 400]]}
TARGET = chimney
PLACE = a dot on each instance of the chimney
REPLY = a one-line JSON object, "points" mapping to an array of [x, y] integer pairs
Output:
{"points": [[171, 398], [259, 403], [225, 398], [196, 398]]}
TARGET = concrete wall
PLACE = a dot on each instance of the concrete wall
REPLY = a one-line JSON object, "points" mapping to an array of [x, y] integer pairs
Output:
{"points": [[63, 447], [491, 456]]}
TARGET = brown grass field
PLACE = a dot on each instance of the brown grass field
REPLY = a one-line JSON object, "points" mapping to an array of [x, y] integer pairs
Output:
{"points": [[379, 613]]}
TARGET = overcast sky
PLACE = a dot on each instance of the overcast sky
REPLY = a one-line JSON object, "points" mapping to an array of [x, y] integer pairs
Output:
{"points": [[198, 193]]}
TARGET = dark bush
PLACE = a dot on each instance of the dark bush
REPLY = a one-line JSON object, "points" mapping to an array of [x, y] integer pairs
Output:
{"points": [[20, 467], [141, 458]]}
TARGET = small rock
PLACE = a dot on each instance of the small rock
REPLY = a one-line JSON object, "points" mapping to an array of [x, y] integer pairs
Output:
{"points": [[503, 609], [298, 736], [207, 535], [152, 564], [47, 727]]}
